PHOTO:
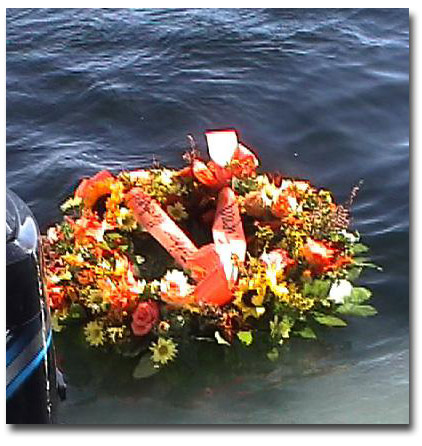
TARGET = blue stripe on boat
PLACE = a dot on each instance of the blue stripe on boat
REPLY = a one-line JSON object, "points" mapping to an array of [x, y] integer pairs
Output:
{"points": [[18, 344], [29, 369]]}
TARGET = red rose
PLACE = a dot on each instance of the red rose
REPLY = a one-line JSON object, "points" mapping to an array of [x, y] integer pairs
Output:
{"points": [[145, 317]]}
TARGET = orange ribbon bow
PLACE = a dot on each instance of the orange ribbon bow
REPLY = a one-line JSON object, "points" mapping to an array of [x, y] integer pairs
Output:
{"points": [[212, 266]]}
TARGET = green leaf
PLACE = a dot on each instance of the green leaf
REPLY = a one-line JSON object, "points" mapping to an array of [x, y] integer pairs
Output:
{"points": [[361, 260], [307, 333], [357, 310], [285, 325], [326, 319], [220, 339], [245, 337], [365, 262], [359, 295], [353, 273], [145, 368], [359, 248], [317, 288], [273, 354], [307, 289], [113, 235]]}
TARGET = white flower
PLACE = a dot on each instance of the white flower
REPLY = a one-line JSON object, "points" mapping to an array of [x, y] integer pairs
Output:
{"points": [[52, 235], [166, 177], [292, 203], [269, 194], [139, 175], [301, 186], [340, 290], [262, 180], [286, 184], [136, 286], [54, 278], [175, 280]]}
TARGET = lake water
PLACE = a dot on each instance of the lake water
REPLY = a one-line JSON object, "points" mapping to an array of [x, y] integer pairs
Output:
{"points": [[320, 94]]}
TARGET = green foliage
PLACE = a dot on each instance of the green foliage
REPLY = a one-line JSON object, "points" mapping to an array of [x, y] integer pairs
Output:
{"points": [[359, 295], [67, 231], [245, 337], [351, 309], [264, 235], [243, 186], [354, 273], [331, 321], [365, 262], [306, 333], [317, 288], [145, 368], [281, 329], [113, 236], [358, 248]]}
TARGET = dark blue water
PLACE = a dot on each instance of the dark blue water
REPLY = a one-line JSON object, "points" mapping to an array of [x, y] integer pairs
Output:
{"points": [[320, 94]]}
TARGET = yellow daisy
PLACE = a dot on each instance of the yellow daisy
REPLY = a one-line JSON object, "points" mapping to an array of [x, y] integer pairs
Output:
{"points": [[163, 351], [125, 219], [94, 333], [178, 211]]}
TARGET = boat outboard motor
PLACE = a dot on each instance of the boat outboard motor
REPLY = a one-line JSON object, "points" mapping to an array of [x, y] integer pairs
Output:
{"points": [[31, 391]]}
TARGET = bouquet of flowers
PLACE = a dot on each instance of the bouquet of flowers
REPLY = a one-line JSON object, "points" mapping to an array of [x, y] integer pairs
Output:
{"points": [[148, 259]]}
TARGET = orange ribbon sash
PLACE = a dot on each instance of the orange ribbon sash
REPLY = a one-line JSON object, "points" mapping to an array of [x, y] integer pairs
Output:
{"points": [[152, 218], [212, 266]]}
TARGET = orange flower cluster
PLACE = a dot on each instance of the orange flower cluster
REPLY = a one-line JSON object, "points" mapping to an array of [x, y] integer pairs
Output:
{"points": [[323, 258], [104, 269]]}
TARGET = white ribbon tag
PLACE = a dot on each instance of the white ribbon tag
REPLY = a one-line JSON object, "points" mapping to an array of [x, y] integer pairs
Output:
{"points": [[222, 145]]}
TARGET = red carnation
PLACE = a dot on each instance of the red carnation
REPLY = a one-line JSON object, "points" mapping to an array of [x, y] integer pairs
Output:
{"points": [[145, 317]]}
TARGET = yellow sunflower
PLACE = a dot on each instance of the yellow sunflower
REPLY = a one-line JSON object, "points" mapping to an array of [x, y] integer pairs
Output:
{"points": [[178, 211], [94, 333], [163, 351]]}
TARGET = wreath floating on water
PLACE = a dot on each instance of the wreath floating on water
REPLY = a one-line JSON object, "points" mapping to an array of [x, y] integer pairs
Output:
{"points": [[148, 259]]}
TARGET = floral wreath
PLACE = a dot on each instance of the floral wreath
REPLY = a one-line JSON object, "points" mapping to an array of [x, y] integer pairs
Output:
{"points": [[150, 258]]}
